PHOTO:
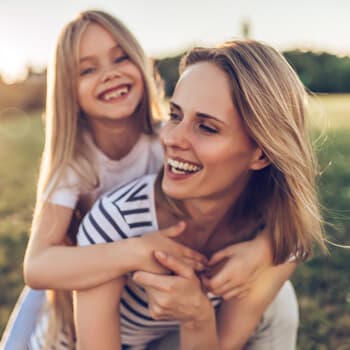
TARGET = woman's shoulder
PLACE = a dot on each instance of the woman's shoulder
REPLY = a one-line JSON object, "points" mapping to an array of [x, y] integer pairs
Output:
{"points": [[121, 213], [141, 189]]}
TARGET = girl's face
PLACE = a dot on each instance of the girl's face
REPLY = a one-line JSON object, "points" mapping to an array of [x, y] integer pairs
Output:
{"points": [[110, 85], [208, 153]]}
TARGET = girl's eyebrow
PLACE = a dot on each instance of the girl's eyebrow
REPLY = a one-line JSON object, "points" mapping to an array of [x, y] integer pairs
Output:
{"points": [[198, 114], [86, 58], [92, 57]]}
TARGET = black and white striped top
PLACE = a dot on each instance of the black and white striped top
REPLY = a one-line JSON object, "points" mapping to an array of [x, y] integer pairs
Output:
{"points": [[127, 212]]}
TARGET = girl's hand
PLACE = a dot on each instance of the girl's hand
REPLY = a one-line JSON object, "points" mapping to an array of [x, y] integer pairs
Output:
{"points": [[143, 249], [177, 297], [233, 270]]}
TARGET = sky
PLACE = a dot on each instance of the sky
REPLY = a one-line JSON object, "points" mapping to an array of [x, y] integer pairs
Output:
{"points": [[29, 29]]}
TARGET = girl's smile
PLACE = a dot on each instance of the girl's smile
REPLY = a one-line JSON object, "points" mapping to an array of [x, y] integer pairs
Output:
{"points": [[110, 85]]}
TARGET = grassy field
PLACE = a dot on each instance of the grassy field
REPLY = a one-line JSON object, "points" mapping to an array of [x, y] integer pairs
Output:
{"points": [[322, 284]]}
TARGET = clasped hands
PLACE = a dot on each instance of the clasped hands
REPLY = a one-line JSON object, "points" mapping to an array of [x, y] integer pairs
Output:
{"points": [[178, 289]]}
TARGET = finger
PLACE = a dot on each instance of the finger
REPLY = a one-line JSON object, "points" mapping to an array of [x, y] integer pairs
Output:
{"points": [[195, 265], [205, 281], [173, 264], [193, 254], [175, 230], [178, 229], [220, 255], [222, 289], [150, 280], [220, 279]]}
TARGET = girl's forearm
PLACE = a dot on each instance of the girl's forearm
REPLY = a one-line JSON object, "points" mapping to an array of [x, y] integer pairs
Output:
{"points": [[77, 268]]}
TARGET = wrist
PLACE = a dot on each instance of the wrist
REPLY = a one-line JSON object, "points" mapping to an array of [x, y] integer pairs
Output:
{"points": [[126, 261], [204, 317]]}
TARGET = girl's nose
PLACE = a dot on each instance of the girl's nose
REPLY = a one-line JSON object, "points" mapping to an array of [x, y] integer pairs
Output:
{"points": [[110, 74]]}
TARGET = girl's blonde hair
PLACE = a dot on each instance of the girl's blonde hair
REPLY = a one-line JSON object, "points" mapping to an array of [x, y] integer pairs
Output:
{"points": [[271, 100], [65, 123]]}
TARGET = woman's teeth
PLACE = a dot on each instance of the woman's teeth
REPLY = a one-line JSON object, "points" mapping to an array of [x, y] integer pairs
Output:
{"points": [[178, 167], [110, 95]]}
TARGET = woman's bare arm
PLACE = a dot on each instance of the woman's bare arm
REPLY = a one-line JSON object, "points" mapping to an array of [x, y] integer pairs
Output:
{"points": [[97, 316]]}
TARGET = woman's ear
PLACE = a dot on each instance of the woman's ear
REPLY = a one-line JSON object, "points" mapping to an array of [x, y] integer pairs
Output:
{"points": [[259, 161]]}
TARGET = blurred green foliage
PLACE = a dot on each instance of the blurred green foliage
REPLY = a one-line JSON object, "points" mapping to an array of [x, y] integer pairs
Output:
{"points": [[319, 71], [322, 283]]}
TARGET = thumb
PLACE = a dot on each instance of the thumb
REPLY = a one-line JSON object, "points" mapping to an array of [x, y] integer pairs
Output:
{"points": [[173, 264], [220, 255], [175, 230]]}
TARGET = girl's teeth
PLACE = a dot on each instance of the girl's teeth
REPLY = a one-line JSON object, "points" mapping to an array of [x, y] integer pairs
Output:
{"points": [[114, 94]]}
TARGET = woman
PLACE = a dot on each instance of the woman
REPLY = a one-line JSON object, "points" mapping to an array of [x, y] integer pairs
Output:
{"points": [[238, 162]]}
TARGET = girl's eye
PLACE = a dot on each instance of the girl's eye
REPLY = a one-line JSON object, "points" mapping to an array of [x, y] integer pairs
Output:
{"points": [[208, 129], [86, 71], [120, 59]]}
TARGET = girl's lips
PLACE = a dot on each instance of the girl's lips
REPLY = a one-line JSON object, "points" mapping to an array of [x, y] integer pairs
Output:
{"points": [[114, 92]]}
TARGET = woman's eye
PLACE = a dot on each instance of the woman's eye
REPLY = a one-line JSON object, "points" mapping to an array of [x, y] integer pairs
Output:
{"points": [[174, 117], [120, 59], [86, 71], [208, 129]]}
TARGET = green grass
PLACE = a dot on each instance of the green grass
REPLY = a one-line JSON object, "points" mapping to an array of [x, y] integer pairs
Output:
{"points": [[322, 283]]}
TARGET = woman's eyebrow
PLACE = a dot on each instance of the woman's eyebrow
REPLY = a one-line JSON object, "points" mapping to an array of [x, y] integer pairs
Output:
{"points": [[198, 114], [208, 116], [175, 106]]}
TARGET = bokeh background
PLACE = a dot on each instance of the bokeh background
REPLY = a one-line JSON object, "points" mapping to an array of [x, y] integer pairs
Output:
{"points": [[313, 36]]}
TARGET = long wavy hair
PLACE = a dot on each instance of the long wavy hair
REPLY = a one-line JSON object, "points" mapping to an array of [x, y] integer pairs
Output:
{"points": [[65, 125], [271, 101]]}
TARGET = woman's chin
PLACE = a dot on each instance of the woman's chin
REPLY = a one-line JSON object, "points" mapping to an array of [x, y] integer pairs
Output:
{"points": [[172, 191]]}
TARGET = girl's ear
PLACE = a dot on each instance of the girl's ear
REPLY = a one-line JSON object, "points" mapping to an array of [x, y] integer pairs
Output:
{"points": [[259, 161]]}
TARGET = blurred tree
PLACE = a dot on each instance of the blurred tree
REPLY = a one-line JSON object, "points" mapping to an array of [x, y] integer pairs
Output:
{"points": [[246, 29], [168, 69]]}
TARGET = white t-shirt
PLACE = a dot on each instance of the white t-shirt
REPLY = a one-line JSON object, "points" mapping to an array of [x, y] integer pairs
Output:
{"points": [[146, 157]]}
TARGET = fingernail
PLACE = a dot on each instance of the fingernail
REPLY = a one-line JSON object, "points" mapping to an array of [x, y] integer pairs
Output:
{"points": [[160, 254]]}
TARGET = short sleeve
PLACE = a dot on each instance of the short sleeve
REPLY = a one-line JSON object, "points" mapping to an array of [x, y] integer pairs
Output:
{"points": [[67, 190], [102, 224]]}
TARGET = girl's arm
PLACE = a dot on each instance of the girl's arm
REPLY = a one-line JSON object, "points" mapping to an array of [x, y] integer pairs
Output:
{"points": [[51, 264], [238, 317], [97, 316], [233, 269]]}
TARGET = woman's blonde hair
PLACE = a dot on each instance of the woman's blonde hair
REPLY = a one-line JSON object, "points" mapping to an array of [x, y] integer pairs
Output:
{"points": [[65, 123], [271, 100]]}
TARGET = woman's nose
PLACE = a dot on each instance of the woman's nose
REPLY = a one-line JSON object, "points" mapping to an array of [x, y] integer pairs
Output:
{"points": [[176, 135]]}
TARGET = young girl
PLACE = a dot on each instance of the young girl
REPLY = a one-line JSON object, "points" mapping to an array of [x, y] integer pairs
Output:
{"points": [[100, 113], [237, 161]]}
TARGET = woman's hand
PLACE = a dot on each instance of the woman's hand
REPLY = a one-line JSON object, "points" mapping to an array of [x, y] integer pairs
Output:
{"points": [[179, 296], [143, 249], [233, 269]]}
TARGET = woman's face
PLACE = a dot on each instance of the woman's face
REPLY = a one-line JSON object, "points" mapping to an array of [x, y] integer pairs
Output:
{"points": [[208, 153], [110, 85]]}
